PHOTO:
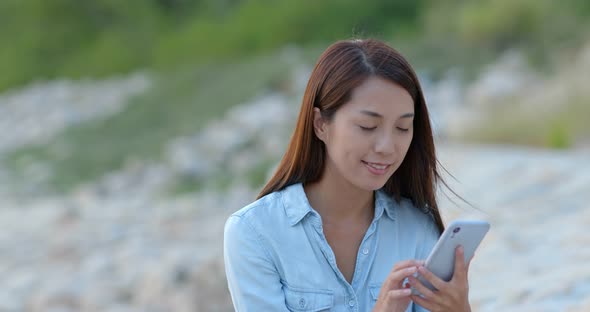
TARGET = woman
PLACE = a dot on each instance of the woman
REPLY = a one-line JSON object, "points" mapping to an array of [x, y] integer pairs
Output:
{"points": [[350, 213]]}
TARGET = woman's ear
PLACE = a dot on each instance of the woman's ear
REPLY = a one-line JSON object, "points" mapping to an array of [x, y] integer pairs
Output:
{"points": [[319, 124]]}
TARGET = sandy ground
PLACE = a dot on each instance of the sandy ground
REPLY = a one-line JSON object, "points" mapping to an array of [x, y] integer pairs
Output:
{"points": [[536, 256]]}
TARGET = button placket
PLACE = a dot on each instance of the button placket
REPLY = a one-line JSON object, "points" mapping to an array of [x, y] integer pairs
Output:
{"points": [[365, 256]]}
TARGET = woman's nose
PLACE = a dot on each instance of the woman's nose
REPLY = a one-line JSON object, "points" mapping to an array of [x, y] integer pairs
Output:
{"points": [[385, 144]]}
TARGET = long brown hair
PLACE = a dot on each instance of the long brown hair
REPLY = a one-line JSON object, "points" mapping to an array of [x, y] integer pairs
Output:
{"points": [[341, 68]]}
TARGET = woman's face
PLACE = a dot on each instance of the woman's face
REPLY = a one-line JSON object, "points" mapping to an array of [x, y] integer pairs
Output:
{"points": [[369, 136]]}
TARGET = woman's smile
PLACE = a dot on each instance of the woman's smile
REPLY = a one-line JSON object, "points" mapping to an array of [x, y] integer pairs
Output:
{"points": [[376, 168]]}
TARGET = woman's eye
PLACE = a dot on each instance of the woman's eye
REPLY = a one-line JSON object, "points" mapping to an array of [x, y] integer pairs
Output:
{"points": [[402, 129], [367, 128]]}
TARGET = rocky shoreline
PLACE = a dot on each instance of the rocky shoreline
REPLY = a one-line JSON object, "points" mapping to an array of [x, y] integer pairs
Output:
{"points": [[142, 253]]}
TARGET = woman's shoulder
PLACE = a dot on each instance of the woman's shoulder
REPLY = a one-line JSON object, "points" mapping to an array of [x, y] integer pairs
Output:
{"points": [[251, 218], [266, 219], [266, 212], [260, 206]]}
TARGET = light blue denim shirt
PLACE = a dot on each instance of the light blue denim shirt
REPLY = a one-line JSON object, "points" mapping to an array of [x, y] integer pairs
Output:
{"points": [[277, 257]]}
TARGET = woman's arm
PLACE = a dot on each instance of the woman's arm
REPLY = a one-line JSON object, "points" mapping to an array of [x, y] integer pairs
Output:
{"points": [[252, 278]]}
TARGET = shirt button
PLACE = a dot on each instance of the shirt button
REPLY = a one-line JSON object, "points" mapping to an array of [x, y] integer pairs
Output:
{"points": [[366, 251], [302, 303], [351, 303]]}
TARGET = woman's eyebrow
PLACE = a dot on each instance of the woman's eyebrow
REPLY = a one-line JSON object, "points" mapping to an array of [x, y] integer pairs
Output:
{"points": [[371, 113], [377, 115]]}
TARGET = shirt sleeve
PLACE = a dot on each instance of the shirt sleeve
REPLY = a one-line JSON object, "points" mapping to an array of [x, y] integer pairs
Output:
{"points": [[252, 278]]}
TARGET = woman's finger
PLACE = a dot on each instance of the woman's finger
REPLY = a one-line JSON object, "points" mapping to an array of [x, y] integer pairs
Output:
{"points": [[423, 303], [397, 294], [396, 278], [405, 264], [433, 279], [400, 271], [460, 267], [425, 291]]}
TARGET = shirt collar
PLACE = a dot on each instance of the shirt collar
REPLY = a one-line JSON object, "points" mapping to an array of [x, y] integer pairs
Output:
{"points": [[297, 206], [295, 202], [384, 202]]}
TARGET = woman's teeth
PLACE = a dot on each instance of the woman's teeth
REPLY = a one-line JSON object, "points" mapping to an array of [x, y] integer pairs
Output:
{"points": [[376, 166]]}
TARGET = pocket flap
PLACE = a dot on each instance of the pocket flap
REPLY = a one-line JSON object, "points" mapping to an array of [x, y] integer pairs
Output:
{"points": [[308, 299], [374, 290]]}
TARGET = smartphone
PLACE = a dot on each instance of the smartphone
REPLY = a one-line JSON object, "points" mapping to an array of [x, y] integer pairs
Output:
{"points": [[441, 261]]}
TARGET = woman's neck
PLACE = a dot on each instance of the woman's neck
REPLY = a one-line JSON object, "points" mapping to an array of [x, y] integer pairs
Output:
{"points": [[338, 201]]}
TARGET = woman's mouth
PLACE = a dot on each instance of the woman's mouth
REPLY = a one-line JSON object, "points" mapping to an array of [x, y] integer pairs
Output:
{"points": [[376, 168]]}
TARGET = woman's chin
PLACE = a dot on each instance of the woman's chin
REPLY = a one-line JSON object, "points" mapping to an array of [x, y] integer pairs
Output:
{"points": [[371, 185]]}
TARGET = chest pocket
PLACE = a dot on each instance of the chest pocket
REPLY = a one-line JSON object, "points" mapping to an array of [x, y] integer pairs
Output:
{"points": [[374, 291], [308, 300]]}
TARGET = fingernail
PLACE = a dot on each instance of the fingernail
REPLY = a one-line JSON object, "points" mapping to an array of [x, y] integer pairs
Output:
{"points": [[407, 291]]}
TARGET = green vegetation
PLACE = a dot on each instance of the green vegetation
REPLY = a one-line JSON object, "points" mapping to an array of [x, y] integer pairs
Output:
{"points": [[222, 180], [210, 55], [44, 39], [179, 104], [557, 129], [258, 175], [184, 184], [468, 34]]}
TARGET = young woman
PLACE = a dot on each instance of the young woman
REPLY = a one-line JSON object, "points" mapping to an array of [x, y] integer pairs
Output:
{"points": [[350, 214]]}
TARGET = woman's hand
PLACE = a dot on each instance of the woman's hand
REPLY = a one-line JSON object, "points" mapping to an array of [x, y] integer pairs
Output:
{"points": [[450, 296], [392, 296]]}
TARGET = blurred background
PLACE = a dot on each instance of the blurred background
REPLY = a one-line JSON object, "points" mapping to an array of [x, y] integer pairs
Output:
{"points": [[130, 130]]}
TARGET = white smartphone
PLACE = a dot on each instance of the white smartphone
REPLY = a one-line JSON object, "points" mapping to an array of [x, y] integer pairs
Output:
{"points": [[441, 261]]}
